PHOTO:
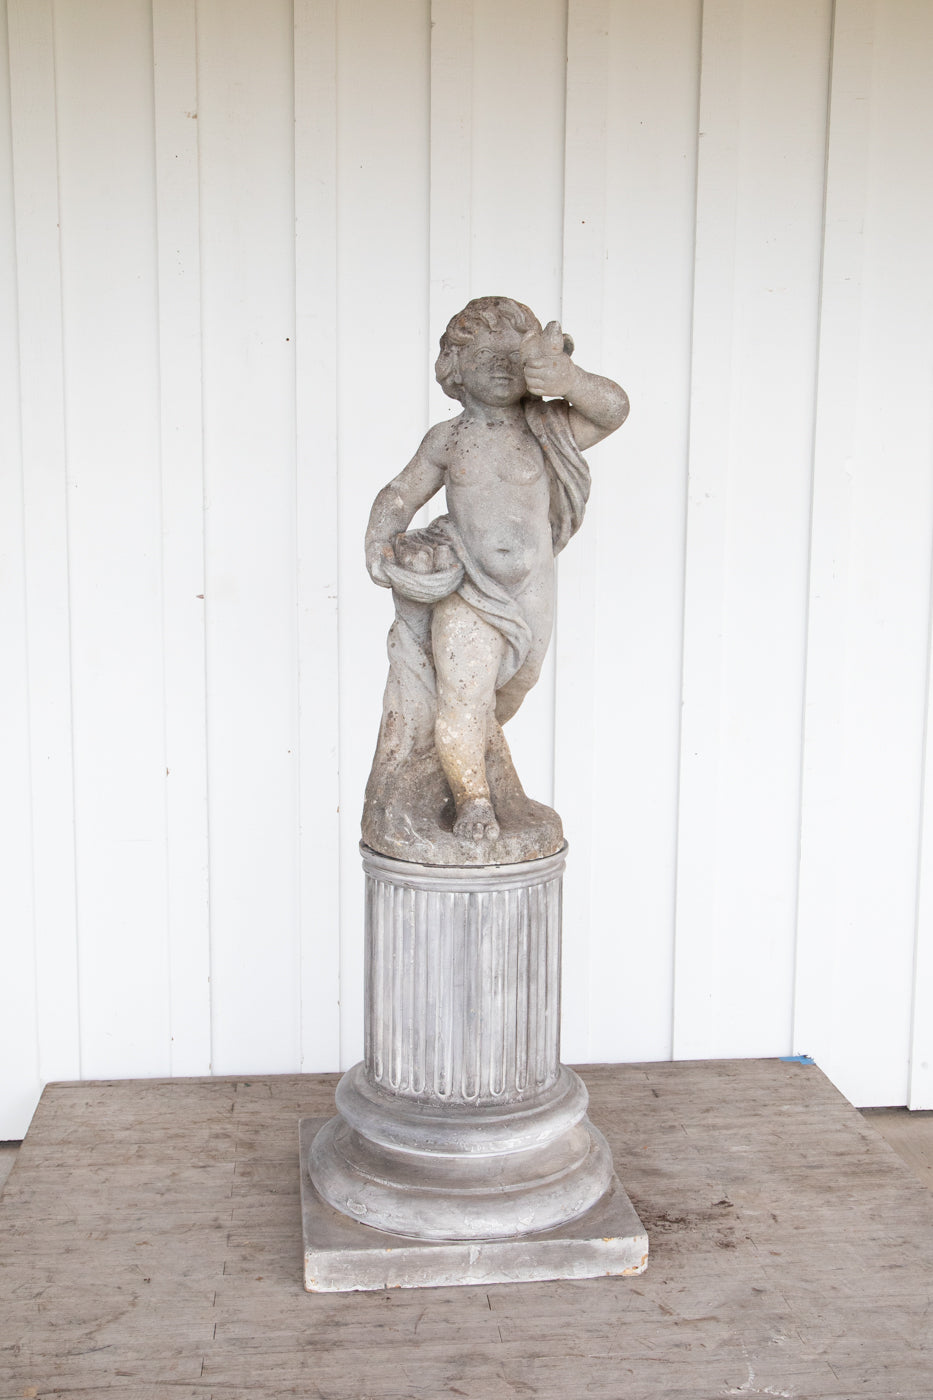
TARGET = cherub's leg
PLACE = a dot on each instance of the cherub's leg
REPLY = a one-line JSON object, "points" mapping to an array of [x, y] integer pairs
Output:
{"points": [[467, 655]]}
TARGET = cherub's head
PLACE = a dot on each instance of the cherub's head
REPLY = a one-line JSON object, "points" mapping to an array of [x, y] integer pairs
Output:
{"points": [[483, 314]]}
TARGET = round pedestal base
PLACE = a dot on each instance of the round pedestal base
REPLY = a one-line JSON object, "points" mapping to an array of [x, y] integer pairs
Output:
{"points": [[461, 1123], [452, 1173]]}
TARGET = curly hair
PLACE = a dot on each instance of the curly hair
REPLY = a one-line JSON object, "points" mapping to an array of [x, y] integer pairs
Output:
{"points": [[482, 313]]}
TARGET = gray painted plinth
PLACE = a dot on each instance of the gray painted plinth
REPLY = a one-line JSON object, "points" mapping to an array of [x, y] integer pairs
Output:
{"points": [[341, 1255], [461, 1127]]}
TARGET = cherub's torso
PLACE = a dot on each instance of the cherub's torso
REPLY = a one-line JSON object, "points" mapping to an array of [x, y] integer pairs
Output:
{"points": [[498, 496]]}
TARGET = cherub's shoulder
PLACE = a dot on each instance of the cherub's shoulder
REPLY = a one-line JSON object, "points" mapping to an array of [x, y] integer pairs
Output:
{"points": [[438, 441]]}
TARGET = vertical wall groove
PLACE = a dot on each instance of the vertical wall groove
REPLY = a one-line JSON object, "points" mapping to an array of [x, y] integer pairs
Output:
{"points": [[175, 93], [317, 548]]}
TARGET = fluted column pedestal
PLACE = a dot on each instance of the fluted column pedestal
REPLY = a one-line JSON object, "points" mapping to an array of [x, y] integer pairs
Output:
{"points": [[461, 1132]]}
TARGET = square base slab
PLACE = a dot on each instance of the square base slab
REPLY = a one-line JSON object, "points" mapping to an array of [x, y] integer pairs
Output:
{"points": [[342, 1255]]}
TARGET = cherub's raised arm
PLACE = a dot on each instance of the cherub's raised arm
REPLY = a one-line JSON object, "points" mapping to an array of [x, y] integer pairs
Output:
{"points": [[597, 405], [396, 503]]}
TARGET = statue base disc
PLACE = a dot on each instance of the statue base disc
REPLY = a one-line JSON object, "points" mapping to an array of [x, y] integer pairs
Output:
{"points": [[343, 1255], [411, 817]]}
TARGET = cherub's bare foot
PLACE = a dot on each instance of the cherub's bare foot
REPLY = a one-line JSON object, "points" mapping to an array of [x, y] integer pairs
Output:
{"points": [[476, 819]]}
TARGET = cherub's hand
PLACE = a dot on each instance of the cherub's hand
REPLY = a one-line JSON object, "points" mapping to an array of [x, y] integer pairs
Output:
{"points": [[549, 370]]}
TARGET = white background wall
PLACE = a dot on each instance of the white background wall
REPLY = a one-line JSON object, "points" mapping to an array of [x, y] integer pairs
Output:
{"points": [[232, 231]]}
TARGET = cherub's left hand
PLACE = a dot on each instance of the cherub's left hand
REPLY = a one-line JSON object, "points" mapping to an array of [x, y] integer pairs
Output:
{"points": [[549, 370]]}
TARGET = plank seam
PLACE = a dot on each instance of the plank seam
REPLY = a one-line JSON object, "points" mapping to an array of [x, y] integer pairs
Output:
{"points": [[796, 1047]]}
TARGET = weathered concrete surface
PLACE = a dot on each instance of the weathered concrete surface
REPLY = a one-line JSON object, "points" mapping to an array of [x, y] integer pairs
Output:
{"points": [[474, 592], [341, 1255], [461, 1124], [412, 817]]}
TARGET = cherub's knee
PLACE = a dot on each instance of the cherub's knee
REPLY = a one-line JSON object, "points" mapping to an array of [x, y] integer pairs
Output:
{"points": [[471, 692]]}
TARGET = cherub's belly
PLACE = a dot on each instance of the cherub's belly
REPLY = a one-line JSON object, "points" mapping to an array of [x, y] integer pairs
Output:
{"points": [[512, 546], [512, 560]]}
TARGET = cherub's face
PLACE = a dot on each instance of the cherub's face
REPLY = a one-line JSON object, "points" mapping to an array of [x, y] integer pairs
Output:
{"points": [[491, 367]]}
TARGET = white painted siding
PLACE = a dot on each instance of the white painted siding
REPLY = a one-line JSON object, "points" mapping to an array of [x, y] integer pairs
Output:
{"points": [[860, 941], [762, 114], [231, 232]]}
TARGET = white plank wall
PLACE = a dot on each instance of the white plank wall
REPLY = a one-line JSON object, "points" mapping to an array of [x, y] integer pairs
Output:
{"points": [[175, 99], [110, 343], [317, 541], [18, 1005], [630, 183], [247, 212], [45, 734], [231, 233], [867, 680], [763, 93]]}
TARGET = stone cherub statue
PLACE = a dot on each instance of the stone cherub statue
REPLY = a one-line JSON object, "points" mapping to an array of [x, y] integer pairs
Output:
{"points": [[474, 591]]}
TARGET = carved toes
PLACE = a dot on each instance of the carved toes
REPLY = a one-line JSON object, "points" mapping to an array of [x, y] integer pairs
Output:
{"points": [[476, 821]]}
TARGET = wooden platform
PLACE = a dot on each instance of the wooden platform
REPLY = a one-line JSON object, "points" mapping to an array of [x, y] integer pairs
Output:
{"points": [[150, 1248], [911, 1136]]}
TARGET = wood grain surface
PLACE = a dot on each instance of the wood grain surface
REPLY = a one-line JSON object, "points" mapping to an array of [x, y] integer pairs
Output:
{"points": [[150, 1246]]}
